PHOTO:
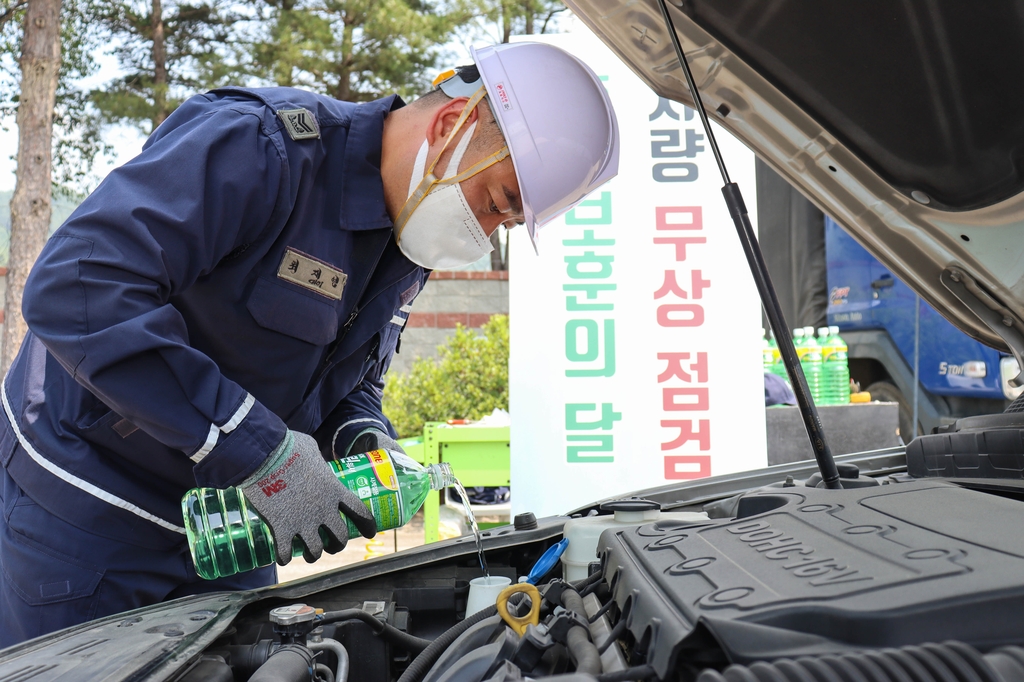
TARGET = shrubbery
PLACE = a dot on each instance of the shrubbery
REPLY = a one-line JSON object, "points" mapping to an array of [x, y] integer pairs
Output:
{"points": [[467, 381]]}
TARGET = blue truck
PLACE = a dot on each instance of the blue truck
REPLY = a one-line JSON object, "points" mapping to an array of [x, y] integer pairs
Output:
{"points": [[876, 314]]}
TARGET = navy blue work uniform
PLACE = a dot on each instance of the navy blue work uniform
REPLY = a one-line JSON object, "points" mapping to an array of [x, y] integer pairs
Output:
{"points": [[238, 278]]}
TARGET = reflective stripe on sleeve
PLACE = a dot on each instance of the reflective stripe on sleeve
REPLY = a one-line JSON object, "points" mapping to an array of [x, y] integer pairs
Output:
{"points": [[208, 446], [362, 420], [230, 425], [399, 320], [73, 480], [241, 413]]}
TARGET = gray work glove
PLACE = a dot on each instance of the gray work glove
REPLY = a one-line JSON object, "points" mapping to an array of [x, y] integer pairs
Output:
{"points": [[367, 440], [296, 492]]}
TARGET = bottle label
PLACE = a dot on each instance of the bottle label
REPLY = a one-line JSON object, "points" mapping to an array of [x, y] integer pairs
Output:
{"points": [[383, 468], [372, 477], [836, 356]]}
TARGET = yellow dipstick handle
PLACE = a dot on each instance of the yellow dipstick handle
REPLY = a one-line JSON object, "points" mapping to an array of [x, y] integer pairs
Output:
{"points": [[516, 623]]}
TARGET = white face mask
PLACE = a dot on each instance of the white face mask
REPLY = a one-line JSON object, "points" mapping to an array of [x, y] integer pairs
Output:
{"points": [[436, 228]]}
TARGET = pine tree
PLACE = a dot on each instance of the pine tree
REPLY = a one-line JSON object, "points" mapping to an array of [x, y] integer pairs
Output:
{"points": [[355, 50], [521, 17], [168, 52]]}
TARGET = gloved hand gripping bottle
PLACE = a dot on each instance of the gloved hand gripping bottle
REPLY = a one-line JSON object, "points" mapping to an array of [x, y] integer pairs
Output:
{"points": [[226, 536]]}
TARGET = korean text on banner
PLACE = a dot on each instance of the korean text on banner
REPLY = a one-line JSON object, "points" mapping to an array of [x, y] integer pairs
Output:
{"points": [[635, 356]]}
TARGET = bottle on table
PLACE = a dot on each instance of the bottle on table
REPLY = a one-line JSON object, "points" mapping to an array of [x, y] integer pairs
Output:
{"points": [[809, 353], [776, 366], [835, 365], [226, 536], [798, 340]]}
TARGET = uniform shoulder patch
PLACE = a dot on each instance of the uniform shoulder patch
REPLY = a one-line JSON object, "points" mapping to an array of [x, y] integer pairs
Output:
{"points": [[301, 124]]}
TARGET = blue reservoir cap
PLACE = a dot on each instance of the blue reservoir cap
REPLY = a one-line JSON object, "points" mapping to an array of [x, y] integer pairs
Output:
{"points": [[547, 561]]}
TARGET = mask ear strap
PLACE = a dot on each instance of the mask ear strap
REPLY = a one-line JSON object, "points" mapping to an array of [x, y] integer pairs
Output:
{"points": [[429, 180], [481, 165], [466, 111]]}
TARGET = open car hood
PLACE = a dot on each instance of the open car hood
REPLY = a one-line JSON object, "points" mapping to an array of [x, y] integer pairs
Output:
{"points": [[903, 121]]}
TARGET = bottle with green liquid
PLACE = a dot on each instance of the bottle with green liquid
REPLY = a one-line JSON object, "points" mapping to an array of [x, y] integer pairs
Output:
{"points": [[226, 536]]}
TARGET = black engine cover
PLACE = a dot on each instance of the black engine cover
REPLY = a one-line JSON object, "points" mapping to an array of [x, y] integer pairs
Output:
{"points": [[809, 571]]}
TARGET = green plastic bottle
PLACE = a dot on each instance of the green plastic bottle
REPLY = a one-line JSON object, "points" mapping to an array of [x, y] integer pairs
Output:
{"points": [[828, 396], [777, 367], [798, 342], [836, 367], [810, 359], [227, 537]]}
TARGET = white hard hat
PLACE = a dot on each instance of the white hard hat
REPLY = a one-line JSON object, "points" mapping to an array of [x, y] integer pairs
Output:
{"points": [[557, 120]]}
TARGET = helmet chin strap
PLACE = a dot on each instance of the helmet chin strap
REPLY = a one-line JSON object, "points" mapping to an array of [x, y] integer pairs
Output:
{"points": [[430, 180]]}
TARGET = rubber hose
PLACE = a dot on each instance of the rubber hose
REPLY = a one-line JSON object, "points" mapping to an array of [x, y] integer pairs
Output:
{"points": [[339, 651], [324, 673], [947, 662], [640, 672], [422, 664], [290, 663], [392, 634], [584, 653]]}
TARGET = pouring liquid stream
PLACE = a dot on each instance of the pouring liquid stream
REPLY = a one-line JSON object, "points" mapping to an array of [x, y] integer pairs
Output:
{"points": [[473, 525]]}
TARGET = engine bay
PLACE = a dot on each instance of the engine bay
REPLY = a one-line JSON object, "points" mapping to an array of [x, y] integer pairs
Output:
{"points": [[891, 578]]}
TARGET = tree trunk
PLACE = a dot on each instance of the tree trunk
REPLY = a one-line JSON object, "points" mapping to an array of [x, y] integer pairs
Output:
{"points": [[528, 11], [343, 91], [506, 20], [159, 65], [30, 205]]}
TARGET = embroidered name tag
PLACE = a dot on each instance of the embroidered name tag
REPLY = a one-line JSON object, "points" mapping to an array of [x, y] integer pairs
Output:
{"points": [[313, 274], [301, 124]]}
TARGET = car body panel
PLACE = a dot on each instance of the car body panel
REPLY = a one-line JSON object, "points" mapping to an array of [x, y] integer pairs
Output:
{"points": [[751, 95]]}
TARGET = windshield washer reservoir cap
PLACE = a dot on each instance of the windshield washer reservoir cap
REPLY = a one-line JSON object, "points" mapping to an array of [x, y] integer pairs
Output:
{"points": [[547, 561]]}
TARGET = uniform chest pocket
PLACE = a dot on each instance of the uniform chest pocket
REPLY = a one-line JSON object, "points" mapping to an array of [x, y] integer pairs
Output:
{"points": [[282, 309]]}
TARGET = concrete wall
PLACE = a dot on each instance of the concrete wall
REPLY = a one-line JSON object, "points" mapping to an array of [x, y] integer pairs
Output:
{"points": [[468, 298]]}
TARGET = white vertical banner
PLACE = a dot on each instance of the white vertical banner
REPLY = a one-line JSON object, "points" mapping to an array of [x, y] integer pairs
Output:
{"points": [[635, 354]]}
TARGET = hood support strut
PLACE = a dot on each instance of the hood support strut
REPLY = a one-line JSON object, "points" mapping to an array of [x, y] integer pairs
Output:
{"points": [[765, 288]]}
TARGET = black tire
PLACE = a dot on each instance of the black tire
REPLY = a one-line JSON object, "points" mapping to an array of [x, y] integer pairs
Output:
{"points": [[886, 392]]}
